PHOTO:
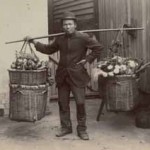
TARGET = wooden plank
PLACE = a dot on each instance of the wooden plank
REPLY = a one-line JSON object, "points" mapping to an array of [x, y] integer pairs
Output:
{"points": [[62, 2], [77, 13], [148, 27], [145, 16], [127, 40], [96, 12], [85, 16], [50, 16], [80, 17], [109, 13], [75, 8], [75, 3], [139, 34], [101, 23], [85, 24], [134, 21]]}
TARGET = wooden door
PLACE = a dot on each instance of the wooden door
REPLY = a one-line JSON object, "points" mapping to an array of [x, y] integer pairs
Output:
{"points": [[85, 11]]}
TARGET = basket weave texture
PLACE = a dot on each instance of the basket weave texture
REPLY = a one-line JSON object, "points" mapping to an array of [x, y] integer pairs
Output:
{"points": [[27, 103], [142, 119], [121, 93], [28, 77]]}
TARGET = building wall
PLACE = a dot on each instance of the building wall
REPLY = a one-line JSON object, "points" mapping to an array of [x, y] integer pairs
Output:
{"points": [[116, 13], [83, 9], [110, 14], [18, 19]]}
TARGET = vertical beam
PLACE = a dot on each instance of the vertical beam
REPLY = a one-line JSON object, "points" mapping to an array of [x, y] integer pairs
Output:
{"points": [[144, 32], [96, 16], [128, 11], [50, 16], [143, 81], [96, 12]]}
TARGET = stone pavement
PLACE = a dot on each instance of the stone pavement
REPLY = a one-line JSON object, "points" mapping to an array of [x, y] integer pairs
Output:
{"points": [[112, 132]]}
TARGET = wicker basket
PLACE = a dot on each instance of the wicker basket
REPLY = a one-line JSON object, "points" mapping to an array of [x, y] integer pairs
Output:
{"points": [[28, 77], [27, 103], [142, 119], [121, 93]]}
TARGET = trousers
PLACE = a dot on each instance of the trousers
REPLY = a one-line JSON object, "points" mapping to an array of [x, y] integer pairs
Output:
{"points": [[64, 104]]}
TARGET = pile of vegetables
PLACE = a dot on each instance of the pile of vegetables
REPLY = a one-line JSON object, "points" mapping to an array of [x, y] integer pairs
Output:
{"points": [[116, 65], [27, 61]]}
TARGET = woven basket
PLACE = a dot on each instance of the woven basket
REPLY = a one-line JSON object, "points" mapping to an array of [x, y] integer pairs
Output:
{"points": [[142, 119], [121, 93], [27, 103], [28, 77]]}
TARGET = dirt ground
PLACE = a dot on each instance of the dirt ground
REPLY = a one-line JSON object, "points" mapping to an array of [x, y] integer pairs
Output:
{"points": [[112, 132]]}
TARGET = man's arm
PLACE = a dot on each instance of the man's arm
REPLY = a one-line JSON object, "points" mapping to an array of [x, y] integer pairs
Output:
{"points": [[44, 48], [95, 46]]}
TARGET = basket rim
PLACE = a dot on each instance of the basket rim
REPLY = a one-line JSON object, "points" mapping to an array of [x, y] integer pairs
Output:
{"points": [[116, 76], [15, 70]]}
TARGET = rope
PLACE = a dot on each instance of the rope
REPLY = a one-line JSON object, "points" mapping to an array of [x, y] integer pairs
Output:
{"points": [[116, 44], [23, 46], [24, 49]]}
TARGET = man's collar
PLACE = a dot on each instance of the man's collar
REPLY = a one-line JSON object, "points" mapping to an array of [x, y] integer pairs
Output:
{"points": [[71, 35]]}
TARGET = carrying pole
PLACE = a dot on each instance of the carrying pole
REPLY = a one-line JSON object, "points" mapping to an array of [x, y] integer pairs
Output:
{"points": [[83, 31]]}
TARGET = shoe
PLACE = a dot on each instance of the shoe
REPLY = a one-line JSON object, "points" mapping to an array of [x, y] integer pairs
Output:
{"points": [[83, 135], [63, 132]]}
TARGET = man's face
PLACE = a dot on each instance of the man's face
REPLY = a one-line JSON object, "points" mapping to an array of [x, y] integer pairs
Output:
{"points": [[69, 26]]}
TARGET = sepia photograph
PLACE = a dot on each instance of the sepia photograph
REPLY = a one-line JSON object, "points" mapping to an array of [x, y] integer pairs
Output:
{"points": [[75, 74]]}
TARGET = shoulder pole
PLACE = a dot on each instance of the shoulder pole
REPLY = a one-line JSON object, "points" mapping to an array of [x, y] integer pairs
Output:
{"points": [[84, 31]]}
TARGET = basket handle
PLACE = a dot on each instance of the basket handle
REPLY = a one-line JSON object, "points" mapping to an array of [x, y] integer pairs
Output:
{"points": [[24, 47], [17, 91], [32, 51], [43, 92], [116, 43], [142, 68]]}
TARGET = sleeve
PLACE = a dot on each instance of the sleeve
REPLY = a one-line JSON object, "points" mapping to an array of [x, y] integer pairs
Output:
{"points": [[47, 48], [95, 48]]}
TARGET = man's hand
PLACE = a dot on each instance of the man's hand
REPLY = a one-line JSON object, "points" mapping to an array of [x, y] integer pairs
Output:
{"points": [[29, 39], [82, 62]]}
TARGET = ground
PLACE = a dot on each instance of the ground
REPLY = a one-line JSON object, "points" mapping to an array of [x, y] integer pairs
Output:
{"points": [[112, 132]]}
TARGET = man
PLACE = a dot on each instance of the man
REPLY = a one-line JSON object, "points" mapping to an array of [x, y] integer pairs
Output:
{"points": [[71, 75]]}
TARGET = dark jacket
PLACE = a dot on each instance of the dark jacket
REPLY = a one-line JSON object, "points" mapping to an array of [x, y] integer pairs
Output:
{"points": [[72, 49]]}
